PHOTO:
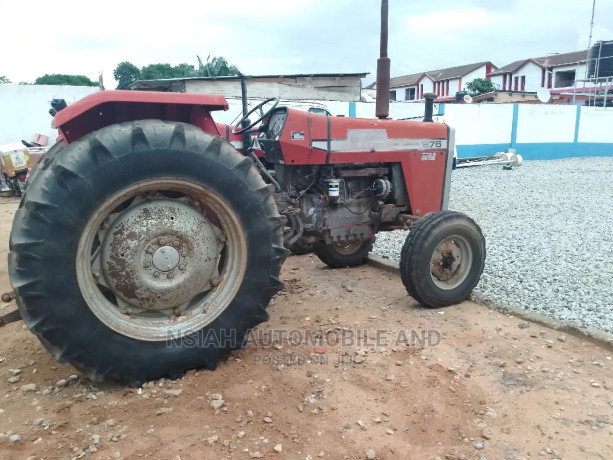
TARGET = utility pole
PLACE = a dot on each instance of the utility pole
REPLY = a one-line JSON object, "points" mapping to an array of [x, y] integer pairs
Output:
{"points": [[589, 41]]}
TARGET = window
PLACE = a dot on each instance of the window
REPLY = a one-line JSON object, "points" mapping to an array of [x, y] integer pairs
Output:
{"points": [[515, 83], [392, 95], [409, 94], [565, 78], [523, 82]]}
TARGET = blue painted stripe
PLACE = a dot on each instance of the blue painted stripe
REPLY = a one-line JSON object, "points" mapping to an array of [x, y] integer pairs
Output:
{"points": [[541, 151], [352, 109], [577, 120], [481, 150], [514, 125], [441, 108]]}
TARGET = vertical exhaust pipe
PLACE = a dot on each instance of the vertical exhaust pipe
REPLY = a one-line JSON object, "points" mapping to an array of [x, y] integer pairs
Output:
{"points": [[429, 97], [383, 68]]}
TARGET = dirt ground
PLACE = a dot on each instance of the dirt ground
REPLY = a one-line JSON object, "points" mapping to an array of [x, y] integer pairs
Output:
{"points": [[390, 376]]}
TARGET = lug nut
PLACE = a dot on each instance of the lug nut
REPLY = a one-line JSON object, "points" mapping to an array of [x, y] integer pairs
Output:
{"points": [[97, 274], [149, 250], [171, 275], [160, 240], [175, 243], [182, 266], [146, 264], [215, 281], [222, 239], [184, 254], [156, 274]]}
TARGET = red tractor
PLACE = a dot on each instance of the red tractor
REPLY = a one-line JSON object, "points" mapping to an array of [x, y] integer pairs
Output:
{"points": [[147, 244]]}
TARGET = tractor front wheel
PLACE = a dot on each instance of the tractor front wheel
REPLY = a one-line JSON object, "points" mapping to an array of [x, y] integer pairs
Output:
{"points": [[442, 259], [344, 253], [145, 249]]}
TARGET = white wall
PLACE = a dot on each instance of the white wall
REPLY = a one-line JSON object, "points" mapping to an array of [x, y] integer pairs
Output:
{"points": [[546, 123], [477, 73], [497, 81], [480, 123], [428, 84], [533, 74], [595, 125], [24, 109]]}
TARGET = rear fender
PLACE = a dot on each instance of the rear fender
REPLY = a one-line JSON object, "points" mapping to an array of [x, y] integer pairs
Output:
{"points": [[110, 107]]}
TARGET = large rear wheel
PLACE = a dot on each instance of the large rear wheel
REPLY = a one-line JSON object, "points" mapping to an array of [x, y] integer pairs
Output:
{"points": [[146, 249]]}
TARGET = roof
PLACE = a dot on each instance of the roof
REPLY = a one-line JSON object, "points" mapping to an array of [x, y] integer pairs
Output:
{"points": [[147, 83], [552, 60], [555, 60], [457, 71], [437, 75], [406, 80]]}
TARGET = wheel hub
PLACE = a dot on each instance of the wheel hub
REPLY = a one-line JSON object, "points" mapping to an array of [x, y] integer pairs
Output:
{"points": [[166, 258], [446, 260], [158, 254]]}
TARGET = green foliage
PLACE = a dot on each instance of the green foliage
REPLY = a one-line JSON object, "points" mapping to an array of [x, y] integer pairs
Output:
{"points": [[216, 67], [166, 71], [480, 86], [4, 79], [126, 73], [62, 79]]}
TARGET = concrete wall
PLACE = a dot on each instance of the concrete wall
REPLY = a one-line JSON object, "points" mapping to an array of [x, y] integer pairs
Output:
{"points": [[536, 131], [24, 109]]}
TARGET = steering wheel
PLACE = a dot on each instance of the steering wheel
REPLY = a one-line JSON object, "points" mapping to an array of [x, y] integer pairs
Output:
{"points": [[238, 129]]}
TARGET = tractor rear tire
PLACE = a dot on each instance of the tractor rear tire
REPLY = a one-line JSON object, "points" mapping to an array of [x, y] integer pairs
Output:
{"points": [[344, 254], [442, 259], [184, 186]]}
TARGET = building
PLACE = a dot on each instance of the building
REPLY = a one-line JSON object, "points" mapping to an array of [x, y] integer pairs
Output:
{"points": [[554, 72], [323, 87], [444, 82]]}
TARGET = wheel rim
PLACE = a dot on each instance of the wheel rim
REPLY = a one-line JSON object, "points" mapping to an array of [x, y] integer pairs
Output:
{"points": [[347, 247], [451, 262], [161, 258]]}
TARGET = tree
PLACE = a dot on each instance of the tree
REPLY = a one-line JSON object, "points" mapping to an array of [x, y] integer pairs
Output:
{"points": [[166, 71], [216, 67], [480, 86], [62, 79], [126, 73], [4, 79]]}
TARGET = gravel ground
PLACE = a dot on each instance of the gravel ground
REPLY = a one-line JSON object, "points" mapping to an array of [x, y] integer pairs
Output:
{"points": [[548, 228]]}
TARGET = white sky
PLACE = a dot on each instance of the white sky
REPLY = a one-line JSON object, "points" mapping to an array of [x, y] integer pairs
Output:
{"points": [[287, 36]]}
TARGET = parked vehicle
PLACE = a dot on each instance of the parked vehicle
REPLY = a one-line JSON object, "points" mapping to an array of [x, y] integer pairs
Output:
{"points": [[151, 238]]}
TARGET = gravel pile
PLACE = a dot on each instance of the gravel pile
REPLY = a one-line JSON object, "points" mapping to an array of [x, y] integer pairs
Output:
{"points": [[549, 234]]}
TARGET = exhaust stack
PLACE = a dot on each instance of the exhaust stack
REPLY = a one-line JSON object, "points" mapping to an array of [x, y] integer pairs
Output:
{"points": [[383, 68]]}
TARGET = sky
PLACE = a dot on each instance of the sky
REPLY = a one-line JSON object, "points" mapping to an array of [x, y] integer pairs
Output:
{"points": [[266, 37]]}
